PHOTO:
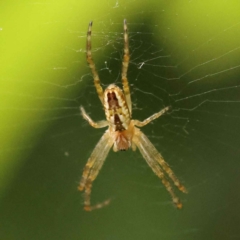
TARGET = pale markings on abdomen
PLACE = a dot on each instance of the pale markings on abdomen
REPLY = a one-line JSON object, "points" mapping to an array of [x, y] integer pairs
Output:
{"points": [[116, 109]]}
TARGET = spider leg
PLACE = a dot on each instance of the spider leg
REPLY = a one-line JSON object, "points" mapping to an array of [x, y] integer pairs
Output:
{"points": [[99, 124], [91, 64], [87, 202], [92, 169], [155, 160], [125, 64], [158, 157], [151, 118]]}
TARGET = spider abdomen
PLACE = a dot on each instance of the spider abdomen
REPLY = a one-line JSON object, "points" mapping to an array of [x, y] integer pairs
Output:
{"points": [[116, 109]]}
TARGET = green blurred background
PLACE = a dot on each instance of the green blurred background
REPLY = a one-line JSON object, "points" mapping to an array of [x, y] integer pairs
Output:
{"points": [[184, 54]]}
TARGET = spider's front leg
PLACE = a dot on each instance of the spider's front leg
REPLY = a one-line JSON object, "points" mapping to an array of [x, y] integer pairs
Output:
{"points": [[92, 169], [158, 165], [95, 162]]}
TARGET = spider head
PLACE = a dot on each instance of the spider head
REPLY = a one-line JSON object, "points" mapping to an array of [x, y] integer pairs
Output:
{"points": [[121, 143], [123, 139]]}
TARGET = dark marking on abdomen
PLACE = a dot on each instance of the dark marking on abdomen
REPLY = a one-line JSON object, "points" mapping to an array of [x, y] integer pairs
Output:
{"points": [[112, 100], [118, 123]]}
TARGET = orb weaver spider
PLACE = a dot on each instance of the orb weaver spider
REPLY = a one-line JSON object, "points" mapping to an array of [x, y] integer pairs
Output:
{"points": [[122, 132]]}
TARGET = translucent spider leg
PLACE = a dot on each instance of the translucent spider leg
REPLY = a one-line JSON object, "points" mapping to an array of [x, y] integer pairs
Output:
{"points": [[91, 64], [92, 169], [151, 118], [158, 157], [152, 157], [87, 203], [125, 64]]}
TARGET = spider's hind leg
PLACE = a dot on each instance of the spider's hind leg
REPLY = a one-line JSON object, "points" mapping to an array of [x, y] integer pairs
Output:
{"points": [[125, 63], [91, 64]]}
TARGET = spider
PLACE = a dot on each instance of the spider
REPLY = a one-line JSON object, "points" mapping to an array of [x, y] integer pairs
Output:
{"points": [[123, 132]]}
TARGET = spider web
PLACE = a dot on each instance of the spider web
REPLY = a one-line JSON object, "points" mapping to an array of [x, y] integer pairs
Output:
{"points": [[184, 54]]}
